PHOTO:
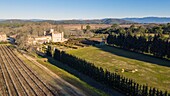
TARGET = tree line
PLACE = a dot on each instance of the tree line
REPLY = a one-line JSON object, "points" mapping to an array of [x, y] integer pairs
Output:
{"points": [[141, 29], [158, 46], [113, 80], [142, 39]]}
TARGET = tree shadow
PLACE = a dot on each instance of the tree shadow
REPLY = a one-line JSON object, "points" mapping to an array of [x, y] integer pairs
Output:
{"points": [[134, 55], [128, 54], [83, 77]]}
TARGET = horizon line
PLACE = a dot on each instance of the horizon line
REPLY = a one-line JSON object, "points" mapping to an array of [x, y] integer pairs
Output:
{"points": [[83, 18]]}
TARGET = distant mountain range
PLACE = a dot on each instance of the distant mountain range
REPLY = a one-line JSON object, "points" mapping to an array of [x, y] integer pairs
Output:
{"points": [[2, 20], [149, 20], [95, 21], [14, 21]]}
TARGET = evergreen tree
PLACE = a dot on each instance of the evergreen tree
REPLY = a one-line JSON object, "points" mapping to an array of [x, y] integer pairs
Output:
{"points": [[48, 51], [57, 54]]}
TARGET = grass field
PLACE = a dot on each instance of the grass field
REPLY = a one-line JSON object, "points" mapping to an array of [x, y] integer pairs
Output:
{"points": [[73, 79], [152, 71], [64, 75], [77, 79]]}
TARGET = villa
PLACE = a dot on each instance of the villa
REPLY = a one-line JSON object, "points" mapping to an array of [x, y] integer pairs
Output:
{"points": [[49, 36]]}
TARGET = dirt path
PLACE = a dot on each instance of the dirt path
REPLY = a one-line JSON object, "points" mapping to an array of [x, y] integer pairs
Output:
{"points": [[65, 83], [22, 75], [69, 88], [19, 79]]}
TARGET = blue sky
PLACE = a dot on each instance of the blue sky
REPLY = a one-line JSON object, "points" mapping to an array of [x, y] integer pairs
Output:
{"points": [[82, 9]]}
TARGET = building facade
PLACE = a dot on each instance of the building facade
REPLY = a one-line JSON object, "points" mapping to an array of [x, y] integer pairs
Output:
{"points": [[3, 37], [49, 36]]}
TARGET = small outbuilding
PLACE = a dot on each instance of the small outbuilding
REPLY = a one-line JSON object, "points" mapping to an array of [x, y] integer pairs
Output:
{"points": [[3, 37]]}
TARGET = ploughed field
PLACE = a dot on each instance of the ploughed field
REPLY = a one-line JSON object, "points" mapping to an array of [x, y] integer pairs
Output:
{"points": [[18, 79]]}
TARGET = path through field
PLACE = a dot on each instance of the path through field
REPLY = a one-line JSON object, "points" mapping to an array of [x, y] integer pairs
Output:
{"points": [[18, 79]]}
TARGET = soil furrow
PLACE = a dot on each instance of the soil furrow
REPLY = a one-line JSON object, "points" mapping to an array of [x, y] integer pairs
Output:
{"points": [[7, 77]]}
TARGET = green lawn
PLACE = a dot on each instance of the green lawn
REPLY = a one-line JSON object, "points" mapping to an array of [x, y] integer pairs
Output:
{"points": [[149, 70], [63, 74], [73, 79]]}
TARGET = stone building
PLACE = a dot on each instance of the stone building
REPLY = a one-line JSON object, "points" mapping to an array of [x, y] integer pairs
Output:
{"points": [[3, 37], [49, 36]]}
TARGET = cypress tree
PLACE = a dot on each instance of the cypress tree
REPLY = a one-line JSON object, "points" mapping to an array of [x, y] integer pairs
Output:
{"points": [[48, 51]]}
